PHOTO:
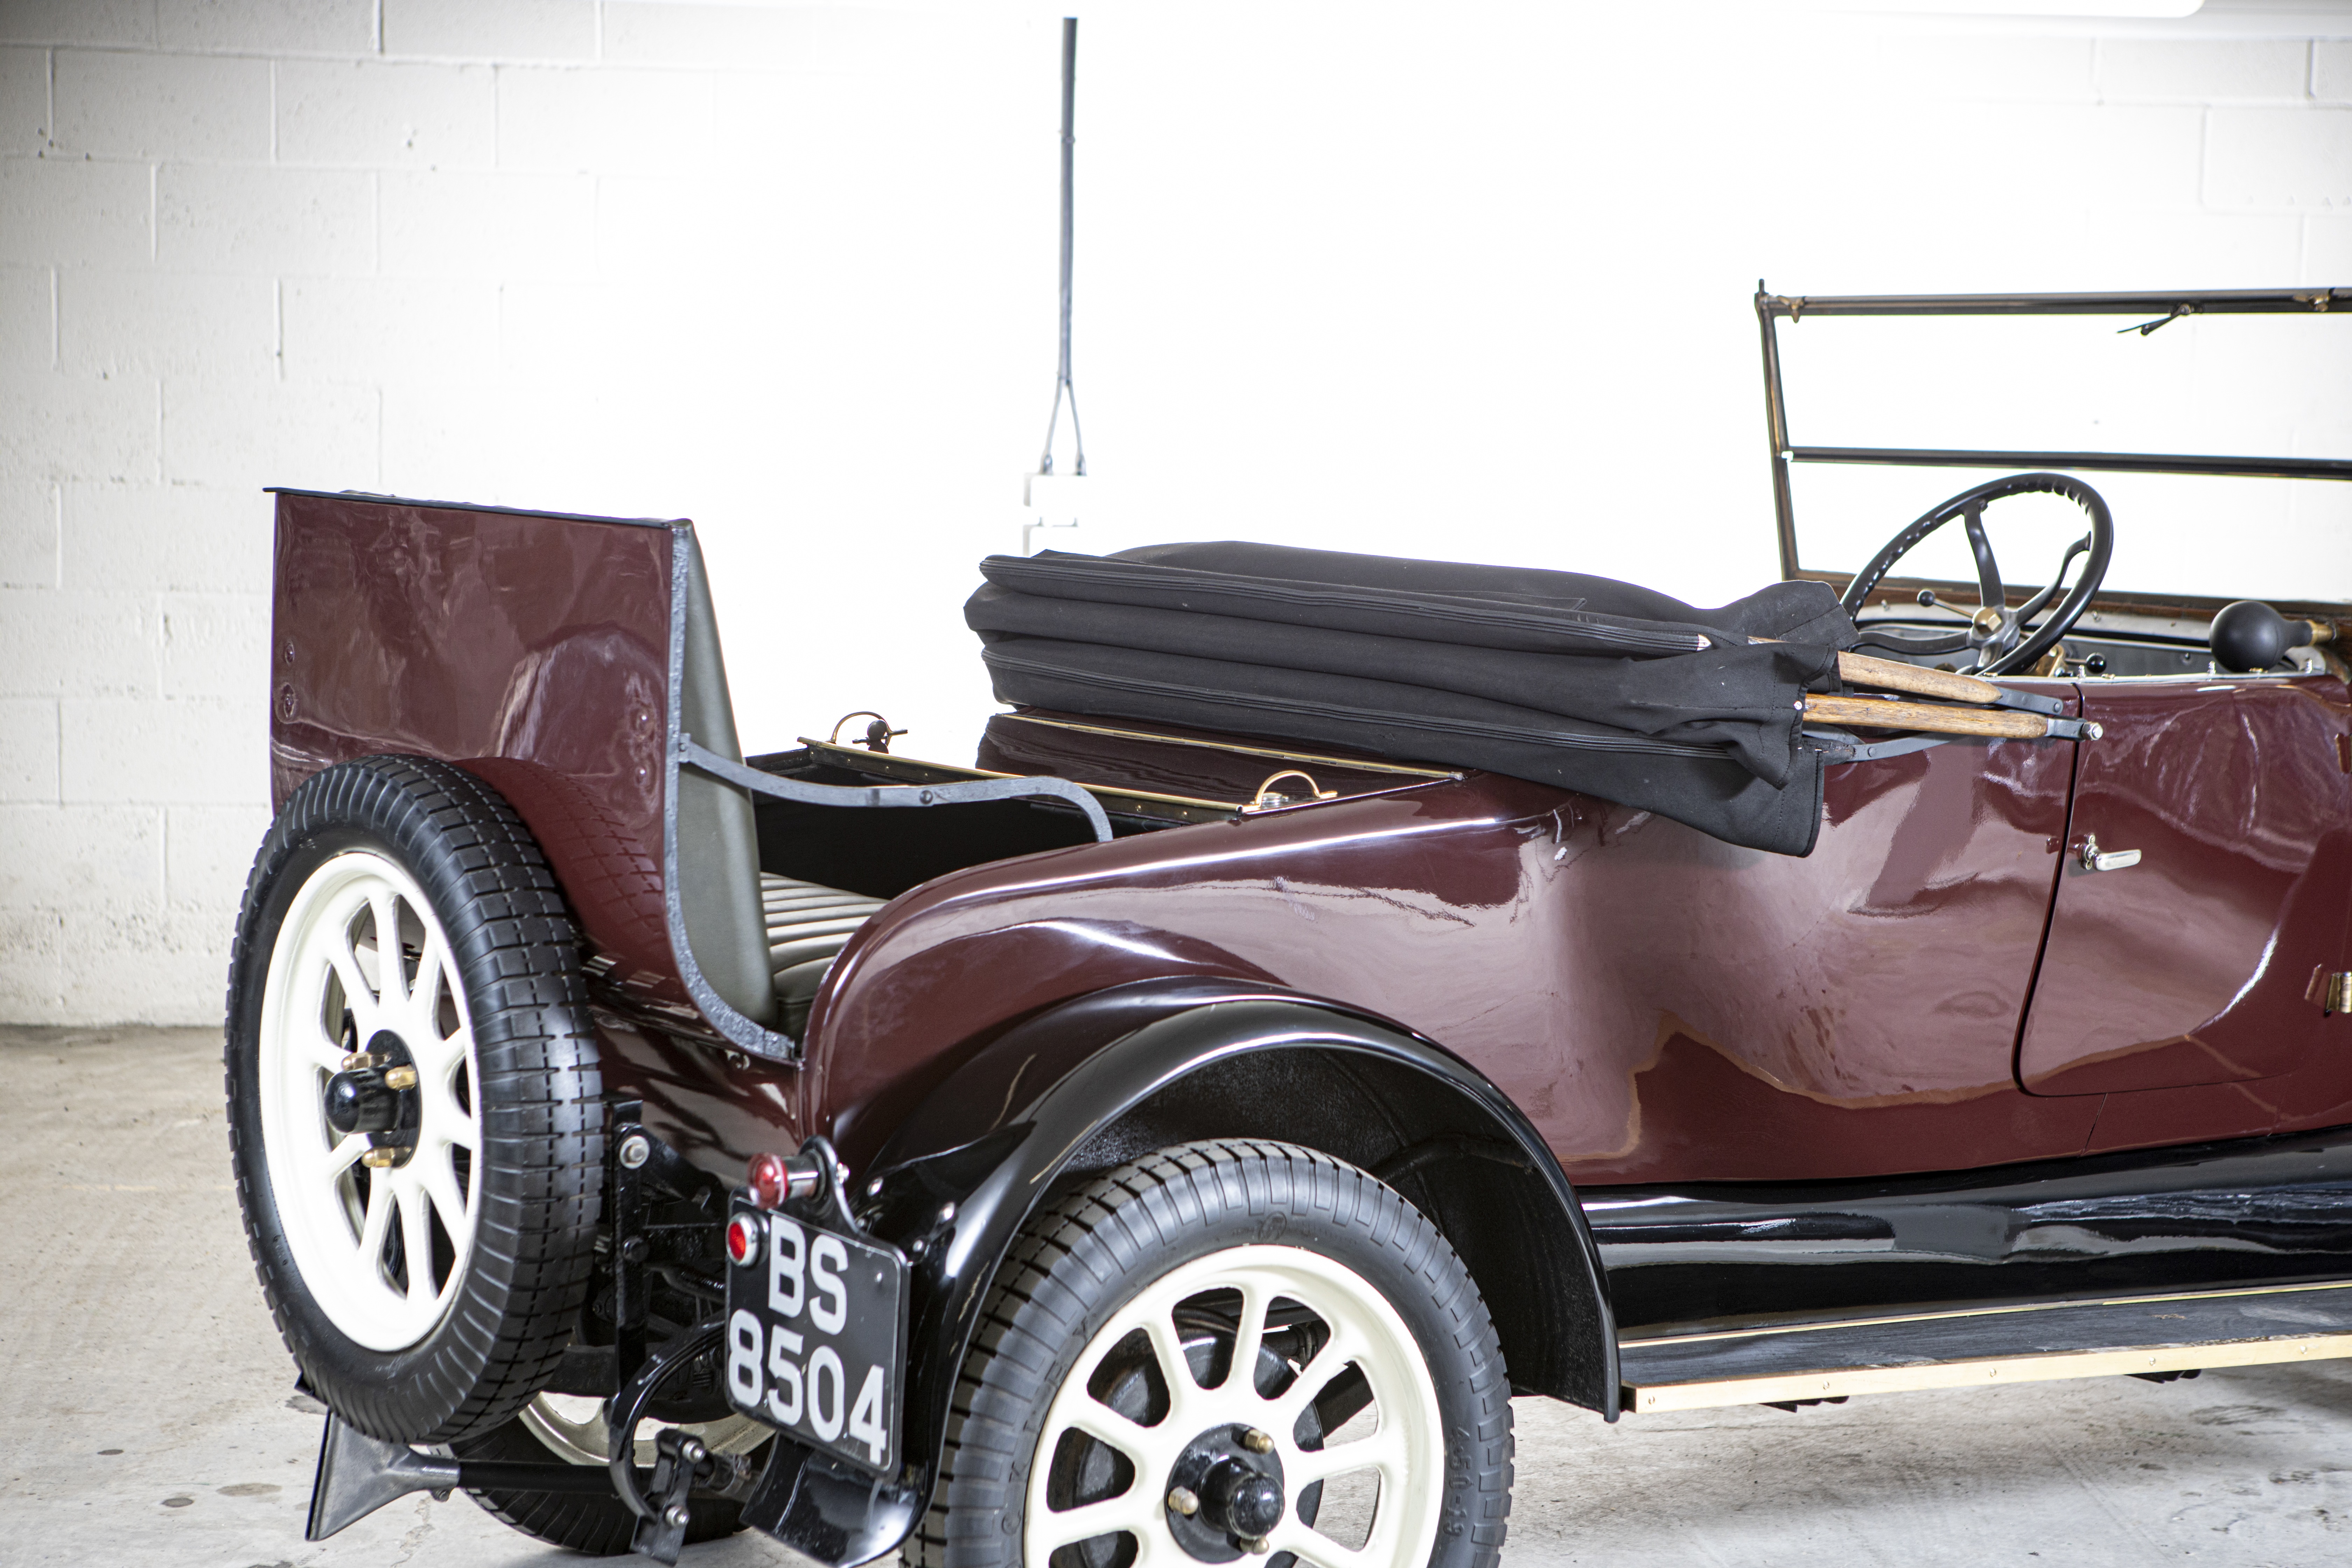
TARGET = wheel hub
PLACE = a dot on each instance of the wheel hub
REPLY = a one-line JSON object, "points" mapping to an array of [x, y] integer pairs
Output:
{"points": [[1232, 1476], [376, 1094]]}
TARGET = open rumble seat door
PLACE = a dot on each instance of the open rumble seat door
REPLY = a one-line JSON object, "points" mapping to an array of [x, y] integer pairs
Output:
{"points": [[558, 657]]}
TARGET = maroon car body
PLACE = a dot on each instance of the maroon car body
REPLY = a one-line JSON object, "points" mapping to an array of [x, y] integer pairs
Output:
{"points": [[1930, 989], [1939, 1064]]}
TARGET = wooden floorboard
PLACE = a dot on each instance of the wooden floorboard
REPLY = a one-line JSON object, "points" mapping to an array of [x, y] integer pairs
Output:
{"points": [[2144, 1335]]}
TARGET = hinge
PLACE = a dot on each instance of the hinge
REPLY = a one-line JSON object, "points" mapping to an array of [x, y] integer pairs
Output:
{"points": [[2332, 990]]}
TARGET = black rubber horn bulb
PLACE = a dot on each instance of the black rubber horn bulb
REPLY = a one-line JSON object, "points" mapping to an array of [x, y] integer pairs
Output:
{"points": [[2250, 635]]}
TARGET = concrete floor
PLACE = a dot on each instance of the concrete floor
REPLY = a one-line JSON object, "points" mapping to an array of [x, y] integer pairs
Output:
{"points": [[150, 1416]]}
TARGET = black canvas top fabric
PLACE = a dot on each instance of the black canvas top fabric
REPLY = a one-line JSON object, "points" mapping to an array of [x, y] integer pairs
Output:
{"points": [[1569, 680]]}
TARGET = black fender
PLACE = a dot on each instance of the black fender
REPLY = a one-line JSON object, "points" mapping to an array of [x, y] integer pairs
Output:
{"points": [[1087, 1085]]}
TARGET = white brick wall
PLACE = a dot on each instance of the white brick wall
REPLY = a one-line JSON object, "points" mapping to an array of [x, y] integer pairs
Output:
{"points": [[1390, 280], [2331, 72], [135, 106], [467, 30], [362, 114]]}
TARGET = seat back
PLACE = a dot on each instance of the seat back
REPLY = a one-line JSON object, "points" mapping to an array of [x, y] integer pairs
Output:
{"points": [[718, 837]]}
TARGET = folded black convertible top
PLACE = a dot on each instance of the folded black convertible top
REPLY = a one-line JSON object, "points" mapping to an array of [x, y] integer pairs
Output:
{"points": [[1568, 680]]}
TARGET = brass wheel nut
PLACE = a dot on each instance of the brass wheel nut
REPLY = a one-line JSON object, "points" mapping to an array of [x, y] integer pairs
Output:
{"points": [[1182, 1501], [400, 1078], [1254, 1544], [1257, 1442], [380, 1159]]}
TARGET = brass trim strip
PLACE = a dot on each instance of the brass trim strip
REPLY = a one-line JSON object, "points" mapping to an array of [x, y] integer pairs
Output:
{"points": [[1762, 1331], [1990, 1372], [1370, 767]]}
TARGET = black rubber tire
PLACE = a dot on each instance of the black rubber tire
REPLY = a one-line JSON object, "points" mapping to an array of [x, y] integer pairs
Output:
{"points": [[537, 1087], [578, 1522], [1081, 1260]]}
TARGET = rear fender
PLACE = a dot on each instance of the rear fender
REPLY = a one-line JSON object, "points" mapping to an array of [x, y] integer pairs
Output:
{"points": [[1087, 1085]]}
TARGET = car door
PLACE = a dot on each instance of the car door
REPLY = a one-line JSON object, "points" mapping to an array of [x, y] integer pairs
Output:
{"points": [[2203, 898], [1714, 1014]]}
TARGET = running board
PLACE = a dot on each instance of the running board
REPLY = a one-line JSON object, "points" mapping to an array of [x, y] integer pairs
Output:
{"points": [[1986, 1347]]}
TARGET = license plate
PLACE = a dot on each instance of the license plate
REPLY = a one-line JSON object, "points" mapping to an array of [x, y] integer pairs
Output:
{"points": [[816, 1338]]}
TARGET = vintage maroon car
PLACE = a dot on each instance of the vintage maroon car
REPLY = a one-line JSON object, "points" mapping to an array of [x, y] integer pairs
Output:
{"points": [[1344, 995]]}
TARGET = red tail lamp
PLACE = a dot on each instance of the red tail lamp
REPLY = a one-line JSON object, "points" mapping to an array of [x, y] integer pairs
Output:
{"points": [[770, 1180], [743, 1239]]}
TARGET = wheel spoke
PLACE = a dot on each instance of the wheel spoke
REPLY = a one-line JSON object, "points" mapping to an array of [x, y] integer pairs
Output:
{"points": [[1109, 1427], [440, 1184], [1383, 1451], [1168, 1346], [445, 1120], [361, 1001], [417, 1240], [1131, 1511], [339, 1158], [1250, 1334], [459, 1128], [376, 1225], [390, 983], [323, 1052], [425, 995], [1313, 1379]]}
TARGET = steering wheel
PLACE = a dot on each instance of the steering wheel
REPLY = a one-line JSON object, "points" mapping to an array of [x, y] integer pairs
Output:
{"points": [[2006, 640]]}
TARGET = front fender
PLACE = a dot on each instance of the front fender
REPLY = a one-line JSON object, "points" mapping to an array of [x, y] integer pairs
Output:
{"points": [[1085, 1085]]}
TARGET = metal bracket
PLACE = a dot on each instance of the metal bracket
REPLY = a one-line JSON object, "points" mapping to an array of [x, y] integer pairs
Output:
{"points": [[357, 1474], [2031, 703], [640, 1169], [827, 1201], [625, 1411], [628, 1149], [682, 1460], [1846, 749]]}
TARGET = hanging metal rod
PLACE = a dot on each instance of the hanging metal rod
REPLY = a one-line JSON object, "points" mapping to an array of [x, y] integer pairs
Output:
{"points": [[1062, 385]]}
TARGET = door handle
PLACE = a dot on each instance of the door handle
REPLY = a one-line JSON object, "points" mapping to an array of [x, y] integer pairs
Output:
{"points": [[2095, 860]]}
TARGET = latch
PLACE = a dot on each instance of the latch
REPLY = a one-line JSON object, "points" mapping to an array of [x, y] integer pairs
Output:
{"points": [[2331, 990], [2094, 858]]}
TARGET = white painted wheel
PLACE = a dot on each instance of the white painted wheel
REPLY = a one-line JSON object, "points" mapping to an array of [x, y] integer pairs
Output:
{"points": [[360, 963], [1386, 1463], [398, 907]]}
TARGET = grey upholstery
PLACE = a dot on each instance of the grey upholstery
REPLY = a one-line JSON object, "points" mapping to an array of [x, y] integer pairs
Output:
{"points": [[807, 926]]}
